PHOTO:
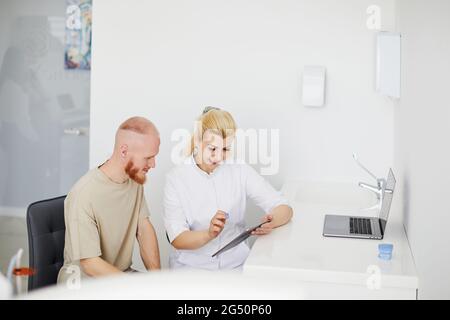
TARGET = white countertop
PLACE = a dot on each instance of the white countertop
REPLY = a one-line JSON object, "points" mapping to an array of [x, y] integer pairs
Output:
{"points": [[175, 285], [299, 250]]}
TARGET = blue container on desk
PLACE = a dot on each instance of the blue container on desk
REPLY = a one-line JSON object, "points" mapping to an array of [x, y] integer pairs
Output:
{"points": [[385, 251]]}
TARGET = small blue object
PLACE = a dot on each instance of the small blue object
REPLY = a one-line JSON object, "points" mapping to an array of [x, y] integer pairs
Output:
{"points": [[227, 215], [385, 251]]}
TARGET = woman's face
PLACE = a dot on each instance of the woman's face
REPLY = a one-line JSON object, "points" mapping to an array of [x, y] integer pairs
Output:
{"points": [[214, 150]]}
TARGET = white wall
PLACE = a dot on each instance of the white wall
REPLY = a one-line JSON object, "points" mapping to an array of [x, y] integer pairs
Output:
{"points": [[422, 128], [166, 60]]}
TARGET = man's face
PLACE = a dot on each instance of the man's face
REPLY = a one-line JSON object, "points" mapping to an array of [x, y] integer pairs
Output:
{"points": [[142, 158]]}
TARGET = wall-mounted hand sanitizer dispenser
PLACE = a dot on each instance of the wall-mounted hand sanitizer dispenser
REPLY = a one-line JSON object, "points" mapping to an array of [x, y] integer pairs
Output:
{"points": [[313, 91], [388, 64]]}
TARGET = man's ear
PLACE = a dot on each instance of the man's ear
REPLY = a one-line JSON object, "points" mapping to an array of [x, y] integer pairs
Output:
{"points": [[123, 151]]}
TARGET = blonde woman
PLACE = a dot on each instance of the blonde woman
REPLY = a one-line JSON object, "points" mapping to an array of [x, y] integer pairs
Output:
{"points": [[205, 199]]}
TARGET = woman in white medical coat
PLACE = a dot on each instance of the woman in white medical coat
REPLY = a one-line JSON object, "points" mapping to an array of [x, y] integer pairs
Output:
{"points": [[205, 199]]}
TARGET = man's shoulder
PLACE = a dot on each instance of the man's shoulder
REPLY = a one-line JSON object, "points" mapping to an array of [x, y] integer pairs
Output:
{"points": [[85, 185]]}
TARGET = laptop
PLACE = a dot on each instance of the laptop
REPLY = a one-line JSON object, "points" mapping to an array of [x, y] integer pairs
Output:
{"points": [[363, 227]]}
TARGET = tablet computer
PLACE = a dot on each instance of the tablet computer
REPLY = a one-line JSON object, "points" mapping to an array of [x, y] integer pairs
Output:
{"points": [[242, 237]]}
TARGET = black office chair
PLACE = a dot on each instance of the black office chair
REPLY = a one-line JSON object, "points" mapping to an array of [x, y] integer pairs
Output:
{"points": [[46, 232]]}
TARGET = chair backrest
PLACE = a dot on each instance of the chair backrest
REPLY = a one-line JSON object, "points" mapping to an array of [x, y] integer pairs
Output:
{"points": [[46, 232]]}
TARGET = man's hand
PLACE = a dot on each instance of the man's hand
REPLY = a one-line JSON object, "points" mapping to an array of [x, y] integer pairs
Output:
{"points": [[217, 224], [266, 228]]}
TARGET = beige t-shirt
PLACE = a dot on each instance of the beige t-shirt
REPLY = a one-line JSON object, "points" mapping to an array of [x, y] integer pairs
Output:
{"points": [[101, 218]]}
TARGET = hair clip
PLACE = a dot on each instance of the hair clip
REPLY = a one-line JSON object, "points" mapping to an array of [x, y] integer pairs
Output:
{"points": [[207, 109]]}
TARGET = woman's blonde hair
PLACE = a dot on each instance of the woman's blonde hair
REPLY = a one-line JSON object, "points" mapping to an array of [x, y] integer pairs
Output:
{"points": [[216, 120]]}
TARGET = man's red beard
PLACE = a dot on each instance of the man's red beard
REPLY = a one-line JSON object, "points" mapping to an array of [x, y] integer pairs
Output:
{"points": [[132, 172]]}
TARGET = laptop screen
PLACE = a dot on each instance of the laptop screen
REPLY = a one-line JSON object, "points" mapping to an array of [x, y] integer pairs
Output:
{"points": [[388, 194]]}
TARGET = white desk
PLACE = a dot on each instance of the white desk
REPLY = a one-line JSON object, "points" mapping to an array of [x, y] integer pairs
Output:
{"points": [[334, 268], [175, 285]]}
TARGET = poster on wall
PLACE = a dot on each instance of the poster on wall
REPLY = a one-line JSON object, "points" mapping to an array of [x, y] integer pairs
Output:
{"points": [[77, 54]]}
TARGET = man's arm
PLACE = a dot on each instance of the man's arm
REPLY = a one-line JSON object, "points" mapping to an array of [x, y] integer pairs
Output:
{"points": [[95, 267], [148, 244]]}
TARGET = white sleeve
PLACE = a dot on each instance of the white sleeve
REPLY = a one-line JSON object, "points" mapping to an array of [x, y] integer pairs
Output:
{"points": [[175, 220], [261, 191]]}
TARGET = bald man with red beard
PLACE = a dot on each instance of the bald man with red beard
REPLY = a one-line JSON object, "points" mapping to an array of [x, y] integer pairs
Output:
{"points": [[106, 210]]}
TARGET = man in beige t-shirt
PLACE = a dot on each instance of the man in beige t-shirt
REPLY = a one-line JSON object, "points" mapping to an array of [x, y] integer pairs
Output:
{"points": [[106, 209]]}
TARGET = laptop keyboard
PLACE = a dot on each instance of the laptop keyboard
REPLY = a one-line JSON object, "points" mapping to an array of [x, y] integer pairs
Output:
{"points": [[360, 226]]}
